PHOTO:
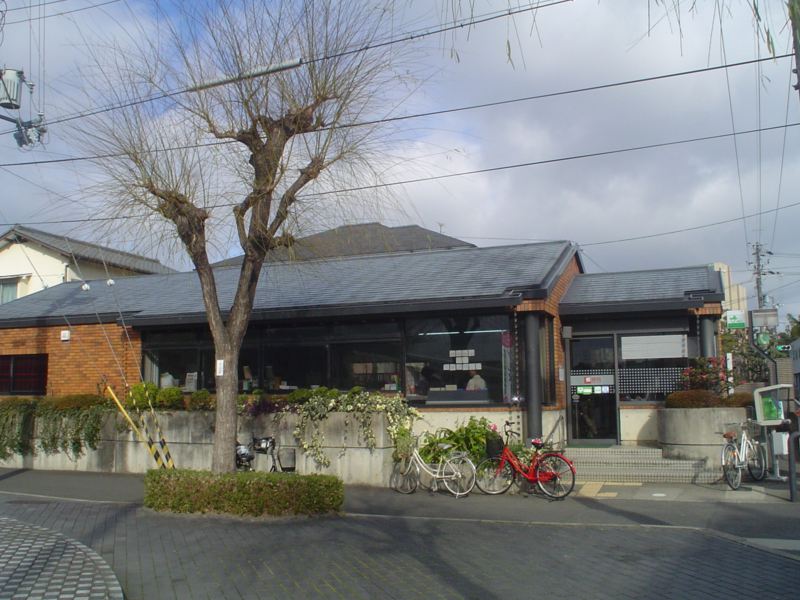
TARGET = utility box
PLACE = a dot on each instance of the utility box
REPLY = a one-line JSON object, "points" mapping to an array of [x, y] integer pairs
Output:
{"points": [[11, 88]]}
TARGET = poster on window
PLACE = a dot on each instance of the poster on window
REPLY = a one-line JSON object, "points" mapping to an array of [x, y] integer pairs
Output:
{"points": [[507, 365]]}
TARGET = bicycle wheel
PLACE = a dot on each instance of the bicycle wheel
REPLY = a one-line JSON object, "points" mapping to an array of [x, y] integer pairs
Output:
{"points": [[458, 475], [756, 461], [732, 473], [494, 476], [405, 476], [555, 476]]}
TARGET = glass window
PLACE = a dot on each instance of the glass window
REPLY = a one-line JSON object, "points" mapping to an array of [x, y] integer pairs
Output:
{"points": [[371, 365], [650, 366], [23, 374], [547, 362], [459, 358], [176, 366], [8, 290], [286, 368], [592, 354]]}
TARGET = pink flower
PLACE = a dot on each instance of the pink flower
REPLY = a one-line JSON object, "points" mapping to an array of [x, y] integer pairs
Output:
{"points": [[493, 427]]}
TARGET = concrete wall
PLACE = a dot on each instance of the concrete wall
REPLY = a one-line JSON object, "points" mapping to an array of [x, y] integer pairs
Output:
{"points": [[190, 437], [638, 426], [694, 433]]}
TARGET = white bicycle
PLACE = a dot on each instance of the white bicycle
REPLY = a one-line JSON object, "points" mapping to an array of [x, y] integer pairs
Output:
{"points": [[739, 451], [456, 471]]}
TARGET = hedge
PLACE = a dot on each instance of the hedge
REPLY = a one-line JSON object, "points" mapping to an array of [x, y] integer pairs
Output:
{"points": [[249, 493], [707, 399]]}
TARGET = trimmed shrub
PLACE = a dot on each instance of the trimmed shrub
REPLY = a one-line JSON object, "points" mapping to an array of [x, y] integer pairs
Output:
{"points": [[142, 394], [170, 397], [740, 399], [252, 493], [201, 400], [707, 399]]}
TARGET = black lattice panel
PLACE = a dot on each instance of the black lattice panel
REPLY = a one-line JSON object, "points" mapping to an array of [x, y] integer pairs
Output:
{"points": [[641, 381]]}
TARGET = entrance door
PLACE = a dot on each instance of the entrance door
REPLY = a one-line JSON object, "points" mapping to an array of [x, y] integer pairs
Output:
{"points": [[593, 394]]}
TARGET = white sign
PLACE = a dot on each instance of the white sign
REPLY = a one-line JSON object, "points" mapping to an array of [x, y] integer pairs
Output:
{"points": [[220, 368], [642, 347], [735, 319]]}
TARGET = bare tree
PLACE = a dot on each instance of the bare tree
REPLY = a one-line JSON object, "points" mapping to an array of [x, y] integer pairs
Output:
{"points": [[241, 149]]}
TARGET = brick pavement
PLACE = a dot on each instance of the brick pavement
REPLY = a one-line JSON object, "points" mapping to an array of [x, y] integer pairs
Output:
{"points": [[174, 556], [39, 564]]}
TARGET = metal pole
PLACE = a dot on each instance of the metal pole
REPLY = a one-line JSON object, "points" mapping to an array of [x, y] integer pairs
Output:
{"points": [[794, 16], [533, 375], [793, 466]]}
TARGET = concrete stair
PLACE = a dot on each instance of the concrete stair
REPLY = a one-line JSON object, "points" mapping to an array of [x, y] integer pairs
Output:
{"points": [[635, 464]]}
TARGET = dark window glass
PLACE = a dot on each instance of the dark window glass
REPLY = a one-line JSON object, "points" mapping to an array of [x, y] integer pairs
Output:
{"points": [[23, 374], [371, 365], [592, 353], [286, 368], [249, 377], [177, 366], [459, 358], [547, 361]]}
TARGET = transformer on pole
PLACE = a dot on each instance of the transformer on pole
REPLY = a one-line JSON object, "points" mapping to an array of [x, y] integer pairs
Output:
{"points": [[11, 84]]}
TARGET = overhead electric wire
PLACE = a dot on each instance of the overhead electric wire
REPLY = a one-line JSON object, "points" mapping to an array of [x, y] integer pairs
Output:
{"points": [[28, 7], [407, 37], [58, 14], [783, 157]]}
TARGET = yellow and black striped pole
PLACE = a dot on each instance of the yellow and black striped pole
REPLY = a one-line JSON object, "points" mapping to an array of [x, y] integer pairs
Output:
{"points": [[145, 437]]}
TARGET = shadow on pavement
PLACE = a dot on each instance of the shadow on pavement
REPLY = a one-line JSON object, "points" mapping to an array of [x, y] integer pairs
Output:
{"points": [[12, 473]]}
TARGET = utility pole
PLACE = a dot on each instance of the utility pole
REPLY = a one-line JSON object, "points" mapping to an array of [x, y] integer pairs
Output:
{"points": [[758, 272], [794, 16]]}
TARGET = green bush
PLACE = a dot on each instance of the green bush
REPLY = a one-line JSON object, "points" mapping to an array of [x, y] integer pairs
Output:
{"points": [[201, 400], [707, 399], [469, 437], [142, 395], [170, 397], [254, 493]]}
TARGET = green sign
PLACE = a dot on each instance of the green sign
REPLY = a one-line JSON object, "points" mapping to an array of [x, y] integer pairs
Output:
{"points": [[763, 338], [584, 390]]}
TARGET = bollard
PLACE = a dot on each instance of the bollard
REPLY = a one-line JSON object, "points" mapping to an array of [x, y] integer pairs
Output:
{"points": [[792, 467]]}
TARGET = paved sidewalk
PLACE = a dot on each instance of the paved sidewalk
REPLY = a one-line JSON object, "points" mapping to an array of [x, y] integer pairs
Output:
{"points": [[422, 546], [37, 563]]}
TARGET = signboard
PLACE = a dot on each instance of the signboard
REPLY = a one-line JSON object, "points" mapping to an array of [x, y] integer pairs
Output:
{"points": [[769, 408], [584, 390], [763, 339], [764, 317], [641, 347], [735, 319]]}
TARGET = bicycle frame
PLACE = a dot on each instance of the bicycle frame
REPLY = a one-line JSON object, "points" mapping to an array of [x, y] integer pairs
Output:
{"points": [[528, 472], [742, 448], [423, 466]]}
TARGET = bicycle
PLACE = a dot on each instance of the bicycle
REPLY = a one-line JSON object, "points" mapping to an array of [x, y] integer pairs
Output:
{"points": [[245, 454], [749, 452], [553, 472], [456, 472]]}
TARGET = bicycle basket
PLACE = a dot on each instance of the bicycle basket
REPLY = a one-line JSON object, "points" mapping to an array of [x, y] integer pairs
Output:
{"points": [[494, 446], [262, 445]]}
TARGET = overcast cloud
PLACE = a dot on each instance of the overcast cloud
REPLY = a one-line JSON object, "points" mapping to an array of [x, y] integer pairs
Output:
{"points": [[573, 45]]}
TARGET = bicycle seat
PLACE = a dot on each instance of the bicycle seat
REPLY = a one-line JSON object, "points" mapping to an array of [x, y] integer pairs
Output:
{"points": [[729, 435], [537, 443], [444, 445]]}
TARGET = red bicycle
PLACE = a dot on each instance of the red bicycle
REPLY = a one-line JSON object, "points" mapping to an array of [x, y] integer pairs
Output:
{"points": [[553, 472]]}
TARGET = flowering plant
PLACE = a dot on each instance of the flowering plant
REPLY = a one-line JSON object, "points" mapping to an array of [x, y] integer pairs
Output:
{"points": [[706, 373]]}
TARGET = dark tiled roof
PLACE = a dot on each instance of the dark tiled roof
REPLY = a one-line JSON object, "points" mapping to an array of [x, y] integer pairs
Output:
{"points": [[86, 251], [361, 239], [379, 284], [642, 290]]}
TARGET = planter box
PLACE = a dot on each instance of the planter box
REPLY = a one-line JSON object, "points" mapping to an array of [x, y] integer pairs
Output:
{"points": [[694, 433]]}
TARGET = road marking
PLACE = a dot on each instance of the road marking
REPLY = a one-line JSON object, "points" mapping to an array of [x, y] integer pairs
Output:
{"points": [[590, 490], [63, 499], [777, 543], [607, 494]]}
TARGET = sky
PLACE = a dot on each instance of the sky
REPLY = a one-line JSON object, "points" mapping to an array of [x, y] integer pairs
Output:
{"points": [[595, 201]]}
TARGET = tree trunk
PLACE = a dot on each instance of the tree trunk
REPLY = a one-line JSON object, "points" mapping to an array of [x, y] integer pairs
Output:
{"points": [[222, 460]]}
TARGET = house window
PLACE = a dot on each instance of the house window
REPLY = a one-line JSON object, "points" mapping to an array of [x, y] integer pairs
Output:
{"points": [[371, 365], [650, 366], [8, 290], [23, 374]]}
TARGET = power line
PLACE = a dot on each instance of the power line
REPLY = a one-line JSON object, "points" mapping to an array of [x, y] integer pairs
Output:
{"points": [[35, 5], [58, 14], [407, 37]]}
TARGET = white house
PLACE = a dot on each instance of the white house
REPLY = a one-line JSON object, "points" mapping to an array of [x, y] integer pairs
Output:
{"points": [[31, 260]]}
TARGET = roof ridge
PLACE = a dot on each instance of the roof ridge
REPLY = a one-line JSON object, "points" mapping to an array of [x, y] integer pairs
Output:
{"points": [[659, 269]]}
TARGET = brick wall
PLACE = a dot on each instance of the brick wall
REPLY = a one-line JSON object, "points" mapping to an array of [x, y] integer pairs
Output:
{"points": [[78, 366], [550, 306]]}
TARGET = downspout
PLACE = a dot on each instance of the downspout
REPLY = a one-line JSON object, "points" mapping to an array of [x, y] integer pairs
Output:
{"points": [[533, 378]]}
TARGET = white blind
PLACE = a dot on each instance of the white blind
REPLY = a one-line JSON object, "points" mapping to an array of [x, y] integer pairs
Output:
{"points": [[638, 347]]}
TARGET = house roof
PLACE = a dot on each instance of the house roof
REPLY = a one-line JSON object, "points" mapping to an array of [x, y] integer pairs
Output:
{"points": [[360, 239], [84, 250], [638, 291], [377, 284]]}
